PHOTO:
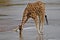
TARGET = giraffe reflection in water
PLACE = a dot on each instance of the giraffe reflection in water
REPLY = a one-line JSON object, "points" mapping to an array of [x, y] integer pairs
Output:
{"points": [[38, 37], [20, 36]]}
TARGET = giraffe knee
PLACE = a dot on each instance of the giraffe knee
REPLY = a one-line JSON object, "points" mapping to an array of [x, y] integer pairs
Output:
{"points": [[20, 27]]}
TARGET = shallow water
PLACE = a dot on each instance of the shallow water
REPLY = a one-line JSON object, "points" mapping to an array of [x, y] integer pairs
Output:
{"points": [[8, 23]]}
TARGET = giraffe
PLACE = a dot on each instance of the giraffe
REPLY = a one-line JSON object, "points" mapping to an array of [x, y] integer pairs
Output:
{"points": [[36, 11]]}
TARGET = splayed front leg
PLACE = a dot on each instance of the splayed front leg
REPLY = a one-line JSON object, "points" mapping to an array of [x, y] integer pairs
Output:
{"points": [[24, 20], [20, 30]]}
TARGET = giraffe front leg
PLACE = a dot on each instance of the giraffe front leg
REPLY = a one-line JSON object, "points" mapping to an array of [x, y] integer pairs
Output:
{"points": [[24, 20]]}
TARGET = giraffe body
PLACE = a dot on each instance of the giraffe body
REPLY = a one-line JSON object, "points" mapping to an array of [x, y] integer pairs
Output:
{"points": [[36, 11]]}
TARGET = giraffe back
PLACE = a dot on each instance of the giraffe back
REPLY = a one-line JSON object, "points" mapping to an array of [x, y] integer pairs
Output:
{"points": [[36, 7]]}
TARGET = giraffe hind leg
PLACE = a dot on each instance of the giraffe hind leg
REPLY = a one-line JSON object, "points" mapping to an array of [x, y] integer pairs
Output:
{"points": [[41, 23], [37, 24]]}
